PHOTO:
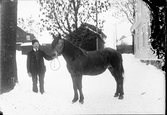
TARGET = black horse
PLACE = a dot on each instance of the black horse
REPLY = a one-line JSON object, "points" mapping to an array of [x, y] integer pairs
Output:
{"points": [[81, 62]]}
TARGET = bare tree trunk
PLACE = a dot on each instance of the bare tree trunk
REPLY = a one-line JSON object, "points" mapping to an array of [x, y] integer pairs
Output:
{"points": [[8, 25]]}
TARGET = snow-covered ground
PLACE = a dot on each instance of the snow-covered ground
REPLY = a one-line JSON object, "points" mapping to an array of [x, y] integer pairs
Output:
{"points": [[144, 88]]}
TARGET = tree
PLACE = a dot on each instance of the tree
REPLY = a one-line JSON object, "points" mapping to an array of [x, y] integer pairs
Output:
{"points": [[29, 25], [158, 27], [64, 16], [124, 9], [8, 22]]}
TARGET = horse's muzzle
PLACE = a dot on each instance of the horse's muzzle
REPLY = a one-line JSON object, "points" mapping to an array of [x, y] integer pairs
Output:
{"points": [[56, 54]]}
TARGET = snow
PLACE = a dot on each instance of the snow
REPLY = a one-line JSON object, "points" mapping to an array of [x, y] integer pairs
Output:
{"points": [[144, 88]]}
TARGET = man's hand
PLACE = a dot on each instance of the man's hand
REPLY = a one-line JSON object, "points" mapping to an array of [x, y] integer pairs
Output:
{"points": [[55, 56], [29, 74]]}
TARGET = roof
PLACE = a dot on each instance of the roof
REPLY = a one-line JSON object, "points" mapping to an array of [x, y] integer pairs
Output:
{"points": [[86, 32], [94, 29], [25, 33]]}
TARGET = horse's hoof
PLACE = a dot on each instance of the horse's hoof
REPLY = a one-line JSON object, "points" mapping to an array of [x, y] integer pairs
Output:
{"points": [[81, 102], [116, 95], [74, 100], [121, 97]]}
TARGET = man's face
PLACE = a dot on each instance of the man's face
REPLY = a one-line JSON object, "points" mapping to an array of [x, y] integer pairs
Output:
{"points": [[36, 45]]}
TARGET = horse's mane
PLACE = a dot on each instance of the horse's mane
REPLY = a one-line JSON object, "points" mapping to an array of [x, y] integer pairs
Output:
{"points": [[69, 48], [76, 47]]}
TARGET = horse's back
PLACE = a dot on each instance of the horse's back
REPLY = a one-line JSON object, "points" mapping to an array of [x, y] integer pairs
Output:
{"points": [[110, 56], [106, 53]]}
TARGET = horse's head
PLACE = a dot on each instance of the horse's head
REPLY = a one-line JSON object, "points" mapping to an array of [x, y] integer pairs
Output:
{"points": [[57, 45]]}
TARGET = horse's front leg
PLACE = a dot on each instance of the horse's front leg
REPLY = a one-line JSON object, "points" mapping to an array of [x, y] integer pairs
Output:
{"points": [[79, 87], [75, 89]]}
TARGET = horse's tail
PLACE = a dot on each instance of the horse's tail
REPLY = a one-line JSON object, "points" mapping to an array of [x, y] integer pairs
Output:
{"points": [[122, 70]]}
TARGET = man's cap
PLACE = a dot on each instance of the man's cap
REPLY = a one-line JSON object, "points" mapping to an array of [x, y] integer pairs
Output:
{"points": [[33, 41]]}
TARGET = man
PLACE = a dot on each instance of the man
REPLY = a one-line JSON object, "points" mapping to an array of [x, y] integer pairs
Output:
{"points": [[36, 67]]}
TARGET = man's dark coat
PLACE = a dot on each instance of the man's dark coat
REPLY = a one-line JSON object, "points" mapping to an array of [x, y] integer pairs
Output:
{"points": [[35, 62]]}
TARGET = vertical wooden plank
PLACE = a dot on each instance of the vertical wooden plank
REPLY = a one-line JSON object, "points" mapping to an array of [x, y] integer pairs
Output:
{"points": [[0, 44]]}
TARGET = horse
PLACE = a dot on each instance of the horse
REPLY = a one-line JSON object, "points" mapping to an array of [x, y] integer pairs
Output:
{"points": [[81, 62]]}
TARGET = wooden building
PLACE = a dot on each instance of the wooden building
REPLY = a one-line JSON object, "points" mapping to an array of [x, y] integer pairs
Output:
{"points": [[87, 37], [23, 42], [23, 37]]}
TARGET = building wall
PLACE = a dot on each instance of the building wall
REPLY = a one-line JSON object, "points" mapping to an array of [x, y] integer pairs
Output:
{"points": [[23, 36], [142, 46]]}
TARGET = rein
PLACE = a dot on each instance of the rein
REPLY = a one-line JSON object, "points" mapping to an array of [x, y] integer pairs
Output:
{"points": [[53, 64]]}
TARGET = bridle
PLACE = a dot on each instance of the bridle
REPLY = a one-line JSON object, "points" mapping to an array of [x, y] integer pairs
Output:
{"points": [[58, 50], [59, 47]]}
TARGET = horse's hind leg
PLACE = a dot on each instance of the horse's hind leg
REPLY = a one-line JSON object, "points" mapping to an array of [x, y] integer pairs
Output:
{"points": [[121, 88], [119, 82], [116, 79]]}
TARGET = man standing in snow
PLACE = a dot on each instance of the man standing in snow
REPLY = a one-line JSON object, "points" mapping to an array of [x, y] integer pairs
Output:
{"points": [[36, 67]]}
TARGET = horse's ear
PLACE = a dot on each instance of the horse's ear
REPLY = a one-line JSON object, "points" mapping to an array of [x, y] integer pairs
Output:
{"points": [[53, 36], [56, 36], [59, 36]]}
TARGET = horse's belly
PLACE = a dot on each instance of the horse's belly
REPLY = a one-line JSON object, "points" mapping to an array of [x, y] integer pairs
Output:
{"points": [[94, 70]]}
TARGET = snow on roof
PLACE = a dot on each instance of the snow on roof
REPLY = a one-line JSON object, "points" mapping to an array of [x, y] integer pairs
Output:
{"points": [[26, 44], [30, 44]]}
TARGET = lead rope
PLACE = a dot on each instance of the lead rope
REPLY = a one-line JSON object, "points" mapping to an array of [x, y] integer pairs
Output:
{"points": [[53, 64]]}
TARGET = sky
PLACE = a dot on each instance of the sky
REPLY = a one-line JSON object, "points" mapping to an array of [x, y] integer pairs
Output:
{"points": [[112, 27], [30, 8], [27, 8]]}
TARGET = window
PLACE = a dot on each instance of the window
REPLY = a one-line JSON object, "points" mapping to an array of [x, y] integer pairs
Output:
{"points": [[143, 36], [137, 41], [28, 37]]}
